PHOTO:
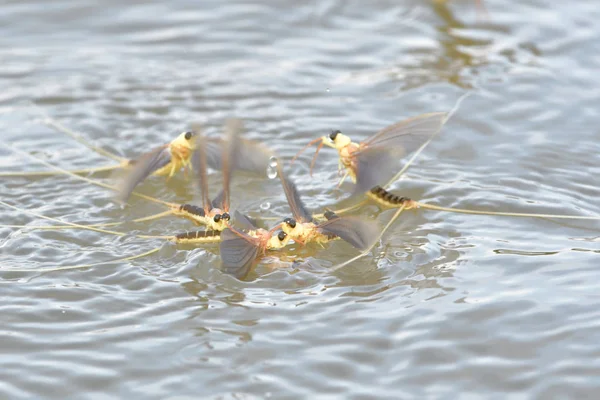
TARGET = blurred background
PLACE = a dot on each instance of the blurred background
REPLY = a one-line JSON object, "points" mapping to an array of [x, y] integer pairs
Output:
{"points": [[448, 306]]}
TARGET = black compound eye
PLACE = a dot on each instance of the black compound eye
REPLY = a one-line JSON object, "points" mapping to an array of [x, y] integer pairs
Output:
{"points": [[226, 216], [333, 135], [217, 218], [291, 222], [282, 235], [329, 214], [188, 135]]}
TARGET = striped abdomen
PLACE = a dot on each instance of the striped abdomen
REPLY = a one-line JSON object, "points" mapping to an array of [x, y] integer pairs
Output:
{"points": [[384, 197], [191, 212], [192, 209], [323, 237], [206, 236]]}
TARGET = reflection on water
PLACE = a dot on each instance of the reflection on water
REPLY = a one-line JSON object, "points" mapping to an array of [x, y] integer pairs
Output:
{"points": [[445, 304]]}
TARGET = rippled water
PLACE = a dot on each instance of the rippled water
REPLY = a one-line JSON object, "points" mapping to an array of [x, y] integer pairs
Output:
{"points": [[449, 306]]}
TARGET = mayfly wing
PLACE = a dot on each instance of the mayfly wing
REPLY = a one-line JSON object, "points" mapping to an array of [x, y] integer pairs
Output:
{"points": [[213, 153], [143, 167], [250, 156], [199, 165], [231, 150], [378, 158], [238, 252], [359, 232], [410, 134], [219, 200], [243, 221], [299, 211], [374, 166]]}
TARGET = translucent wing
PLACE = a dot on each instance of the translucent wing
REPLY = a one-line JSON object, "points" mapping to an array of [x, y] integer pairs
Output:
{"points": [[375, 166], [409, 134], [358, 232], [219, 201], [213, 153], [243, 221], [238, 252], [231, 151], [249, 156], [199, 165], [143, 167], [299, 211]]}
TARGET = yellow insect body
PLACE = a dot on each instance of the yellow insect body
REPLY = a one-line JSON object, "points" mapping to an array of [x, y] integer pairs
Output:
{"points": [[305, 232], [181, 150], [269, 241], [388, 199], [345, 147], [219, 225], [198, 216], [198, 237], [274, 243], [189, 212]]}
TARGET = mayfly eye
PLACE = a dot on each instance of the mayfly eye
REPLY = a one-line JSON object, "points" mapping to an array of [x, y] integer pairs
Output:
{"points": [[333, 135], [188, 135], [217, 218], [282, 235], [329, 214], [226, 216], [291, 222]]}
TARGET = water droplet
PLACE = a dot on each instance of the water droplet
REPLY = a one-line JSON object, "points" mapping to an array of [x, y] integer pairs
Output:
{"points": [[272, 168], [265, 206], [271, 172], [328, 90]]}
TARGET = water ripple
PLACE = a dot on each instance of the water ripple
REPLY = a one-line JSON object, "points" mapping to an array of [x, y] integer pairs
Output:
{"points": [[446, 304]]}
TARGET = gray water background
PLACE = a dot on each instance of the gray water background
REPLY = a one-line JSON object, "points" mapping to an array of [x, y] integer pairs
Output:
{"points": [[449, 306]]}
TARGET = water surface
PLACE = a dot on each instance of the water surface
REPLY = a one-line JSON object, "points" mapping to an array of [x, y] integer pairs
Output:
{"points": [[448, 306]]}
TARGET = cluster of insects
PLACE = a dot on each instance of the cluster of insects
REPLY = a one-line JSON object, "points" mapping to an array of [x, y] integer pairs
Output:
{"points": [[371, 165], [368, 164]]}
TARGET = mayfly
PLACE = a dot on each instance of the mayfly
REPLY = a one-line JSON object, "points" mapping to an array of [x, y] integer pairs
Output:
{"points": [[245, 155], [302, 228], [240, 248], [171, 158], [375, 160], [215, 214], [164, 160]]}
